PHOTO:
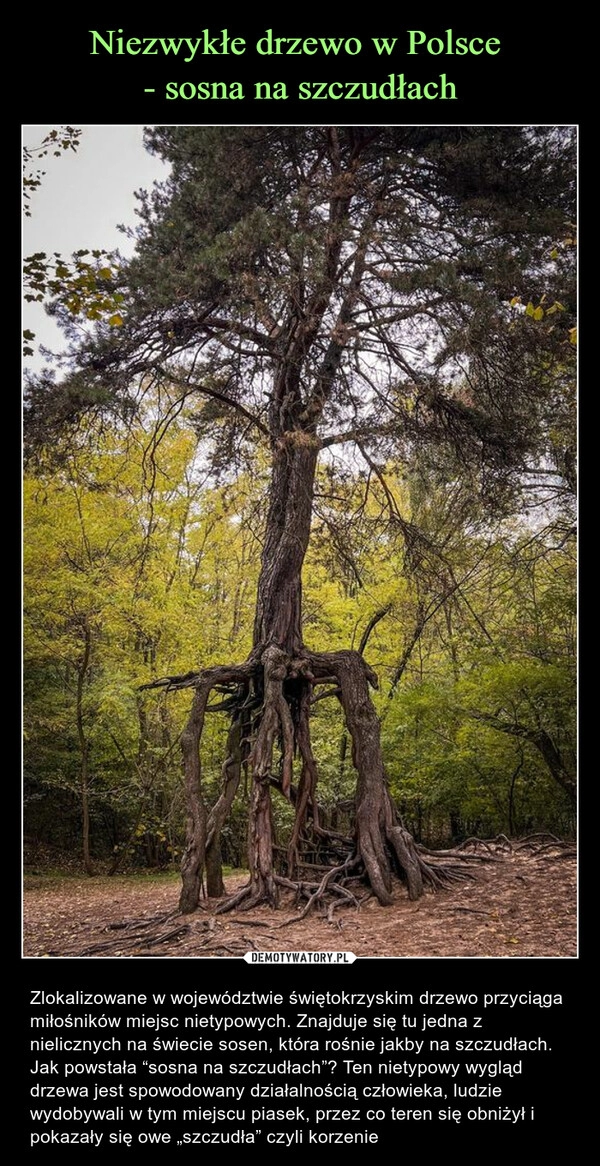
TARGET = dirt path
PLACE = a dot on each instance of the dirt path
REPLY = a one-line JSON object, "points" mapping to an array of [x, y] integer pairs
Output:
{"points": [[521, 904]]}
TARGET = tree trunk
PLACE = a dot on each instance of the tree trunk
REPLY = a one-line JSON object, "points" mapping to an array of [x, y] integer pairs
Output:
{"points": [[279, 599], [82, 669], [277, 639], [85, 813], [230, 779], [192, 863], [215, 887], [260, 846], [269, 697]]}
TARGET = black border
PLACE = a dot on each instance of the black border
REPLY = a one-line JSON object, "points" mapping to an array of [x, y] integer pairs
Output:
{"points": [[532, 80]]}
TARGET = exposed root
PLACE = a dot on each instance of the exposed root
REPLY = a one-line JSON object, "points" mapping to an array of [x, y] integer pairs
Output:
{"points": [[497, 847], [270, 699], [326, 882], [417, 872], [226, 947], [140, 934], [539, 842], [438, 877], [475, 843], [457, 856], [236, 900], [468, 910], [438, 870], [332, 886]]}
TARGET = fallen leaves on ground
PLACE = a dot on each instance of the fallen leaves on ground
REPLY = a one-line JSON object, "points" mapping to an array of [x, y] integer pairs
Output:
{"points": [[522, 905]]}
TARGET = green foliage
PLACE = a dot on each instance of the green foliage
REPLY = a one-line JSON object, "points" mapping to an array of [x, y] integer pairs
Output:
{"points": [[85, 287], [480, 731], [131, 546], [131, 537], [394, 251]]}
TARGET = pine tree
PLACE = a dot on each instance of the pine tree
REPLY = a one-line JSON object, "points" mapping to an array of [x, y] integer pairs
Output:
{"points": [[393, 291]]}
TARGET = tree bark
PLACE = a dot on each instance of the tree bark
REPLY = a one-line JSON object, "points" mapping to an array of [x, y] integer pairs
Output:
{"points": [[263, 886], [230, 780], [279, 598], [194, 856], [84, 747], [371, 791], [278, 681], [192, 863], [270, 698]]}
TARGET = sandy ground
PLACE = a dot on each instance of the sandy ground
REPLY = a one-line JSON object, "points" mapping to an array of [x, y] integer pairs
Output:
{"points": [[523, 903]]}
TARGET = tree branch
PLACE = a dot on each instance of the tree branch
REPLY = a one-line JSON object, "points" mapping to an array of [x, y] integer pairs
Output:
{"points": [[216, 395]]}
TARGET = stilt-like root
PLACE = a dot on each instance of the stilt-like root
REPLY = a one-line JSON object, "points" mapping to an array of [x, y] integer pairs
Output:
{"points": [[269, 698]]}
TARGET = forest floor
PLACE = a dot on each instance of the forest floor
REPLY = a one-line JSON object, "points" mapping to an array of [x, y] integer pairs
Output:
{"points": [[522, 902]]}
